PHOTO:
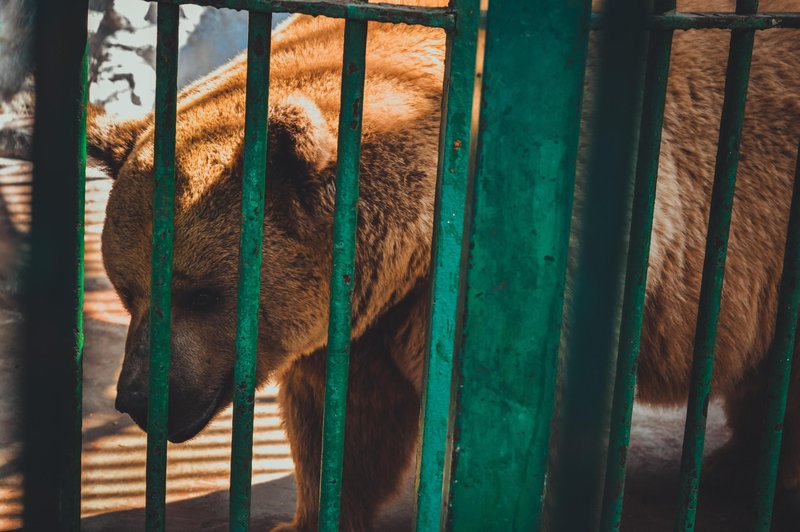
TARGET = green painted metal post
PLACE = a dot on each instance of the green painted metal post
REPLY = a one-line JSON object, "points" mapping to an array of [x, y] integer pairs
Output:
{"points": [[451, 198], [599, 272], [780, 367], [250, 258], [53, 300], [644, 195], [71, 486], [344, 254], [737, 78], [519, 232], [161, 279]]}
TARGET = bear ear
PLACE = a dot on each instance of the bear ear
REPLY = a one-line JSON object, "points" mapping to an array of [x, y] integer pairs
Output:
{"points": [[300, 142], [108, 142]]}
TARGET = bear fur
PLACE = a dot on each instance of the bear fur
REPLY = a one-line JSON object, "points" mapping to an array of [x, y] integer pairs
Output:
{"points": [[391, 287]]}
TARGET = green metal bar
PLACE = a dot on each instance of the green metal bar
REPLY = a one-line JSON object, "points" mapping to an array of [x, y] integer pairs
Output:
{"points": [[737, 78], [449, 213], [71, 487], [250, 258], [161, 280], [53, 333], [599, 276], [518, 236], [780, 367], [707, 21], [644, 195], [344, 254], [437, 17]]}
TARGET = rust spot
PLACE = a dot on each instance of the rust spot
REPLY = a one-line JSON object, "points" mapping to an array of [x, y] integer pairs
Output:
{"points": [[456, 144], [347, 279]]}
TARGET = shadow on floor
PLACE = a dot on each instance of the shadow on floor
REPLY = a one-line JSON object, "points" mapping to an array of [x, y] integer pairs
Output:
{"points": [[273, 503]]}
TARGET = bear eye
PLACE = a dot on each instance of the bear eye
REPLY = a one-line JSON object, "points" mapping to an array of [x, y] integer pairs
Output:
{"points": [[126, 296], [203, 300]]}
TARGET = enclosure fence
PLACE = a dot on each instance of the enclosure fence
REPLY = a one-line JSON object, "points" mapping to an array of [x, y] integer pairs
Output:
{"points": [[492, 353]]}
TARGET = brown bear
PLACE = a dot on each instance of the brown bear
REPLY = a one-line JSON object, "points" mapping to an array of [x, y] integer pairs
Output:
{"points": [[398, 170]]}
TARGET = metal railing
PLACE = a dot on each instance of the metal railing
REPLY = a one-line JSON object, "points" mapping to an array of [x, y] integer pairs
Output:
{"points": [[495, 319]]}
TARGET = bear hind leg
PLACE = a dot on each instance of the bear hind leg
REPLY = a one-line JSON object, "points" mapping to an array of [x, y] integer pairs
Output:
{"points": [[380, 437]]}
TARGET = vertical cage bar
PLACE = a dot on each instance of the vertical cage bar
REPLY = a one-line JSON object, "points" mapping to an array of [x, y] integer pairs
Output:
{"points": [[344, 254], [161, 280], [780, 367], [730, 132], [53, 337], [250, 259], [449, 213], [599, 276], [644, 196], [519, 233], [71, 487]]}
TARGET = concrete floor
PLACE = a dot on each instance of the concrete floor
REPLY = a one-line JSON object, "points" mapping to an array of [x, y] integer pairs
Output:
{"points": [[114, 449]]}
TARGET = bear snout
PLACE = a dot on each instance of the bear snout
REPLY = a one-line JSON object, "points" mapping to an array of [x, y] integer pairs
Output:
{"points": [[133, 401]]}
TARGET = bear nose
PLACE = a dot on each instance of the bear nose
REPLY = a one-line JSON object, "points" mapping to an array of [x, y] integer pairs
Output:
{"points": [[133, 403]]}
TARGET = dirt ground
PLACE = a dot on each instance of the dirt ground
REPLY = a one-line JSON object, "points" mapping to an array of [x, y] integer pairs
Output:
{"points": [[114, 449]]}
